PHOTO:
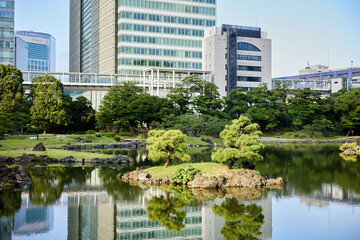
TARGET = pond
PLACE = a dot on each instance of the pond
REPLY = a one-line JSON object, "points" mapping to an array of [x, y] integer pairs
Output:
{"points": [[321, 200]]}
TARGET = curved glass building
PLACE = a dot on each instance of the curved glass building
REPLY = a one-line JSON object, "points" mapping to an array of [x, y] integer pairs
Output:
{"points": [[35, 51]]}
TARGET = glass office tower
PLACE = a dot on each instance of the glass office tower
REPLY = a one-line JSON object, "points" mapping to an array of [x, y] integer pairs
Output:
{"points": [[7, 31], [35, 51], [111, 36]]}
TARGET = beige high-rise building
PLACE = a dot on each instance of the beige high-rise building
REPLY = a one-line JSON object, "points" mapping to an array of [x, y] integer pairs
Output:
{"points": [[125, 37]]}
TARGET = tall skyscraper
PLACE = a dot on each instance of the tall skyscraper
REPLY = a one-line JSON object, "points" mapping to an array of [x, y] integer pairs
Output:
{"points": [[110, 36], [7, 31], [238, 56], [35, 51]]}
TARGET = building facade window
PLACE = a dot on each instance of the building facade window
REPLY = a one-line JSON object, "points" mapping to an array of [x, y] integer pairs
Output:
{"points": [[249, 68], [248, 57], [244, 46]]}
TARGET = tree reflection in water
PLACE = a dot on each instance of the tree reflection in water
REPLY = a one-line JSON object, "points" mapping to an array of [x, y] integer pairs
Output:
{"points": [[308, 167], [168, 211], [241, 221], [119, 190], [47, 183], [11, 202]]}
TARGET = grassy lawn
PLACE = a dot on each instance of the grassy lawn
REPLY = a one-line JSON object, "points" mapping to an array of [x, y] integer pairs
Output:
{"points": [[208, 169], [197, 140], [23, 141], [55, 153]]}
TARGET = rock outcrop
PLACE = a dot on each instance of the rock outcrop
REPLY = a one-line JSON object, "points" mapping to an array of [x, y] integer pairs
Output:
{"points": [[39, 147], [32, 159], [240, 178], [128, 145], [13, 178]]}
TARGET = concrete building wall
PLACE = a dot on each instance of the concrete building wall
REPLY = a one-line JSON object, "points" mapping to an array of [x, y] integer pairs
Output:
{"points": [[233, 67], [75, 30], [107, 36]]}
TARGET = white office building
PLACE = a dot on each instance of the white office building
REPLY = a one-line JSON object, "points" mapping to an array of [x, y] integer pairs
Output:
{"points": [[126, 37], [239, 57]]}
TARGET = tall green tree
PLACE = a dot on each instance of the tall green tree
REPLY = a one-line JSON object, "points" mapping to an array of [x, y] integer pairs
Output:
{"points": [[241, 140], [6, 124], [82, 114], [237, 104], [266, 108], [127, 105], [241, 221], [196, 93], [348, 105], [305, 106], [12, 98], [195, 125], [167, 145], [49, 101]]}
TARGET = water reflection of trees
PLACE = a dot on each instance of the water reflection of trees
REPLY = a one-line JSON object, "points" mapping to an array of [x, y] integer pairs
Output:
{"points": [[118, 189], [241, 221], [11, 202], [308, 167], [47, 183], [168, 211]]}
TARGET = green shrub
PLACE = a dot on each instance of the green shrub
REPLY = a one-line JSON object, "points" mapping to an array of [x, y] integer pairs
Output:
{"points": [[127, 134], [90, 132], [184, 175], [97, 134], [112, 134], [117, 138]]}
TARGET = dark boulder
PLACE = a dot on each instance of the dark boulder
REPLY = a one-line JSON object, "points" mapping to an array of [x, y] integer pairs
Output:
{"points": [[39, 147]]}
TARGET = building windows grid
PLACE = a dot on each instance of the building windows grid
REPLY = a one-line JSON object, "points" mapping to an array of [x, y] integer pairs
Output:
{"points": [[161, 41], [249, 68], [248, 57], [173, 7], [160, 29], [244, 46], [160, 63], [167, 19]]}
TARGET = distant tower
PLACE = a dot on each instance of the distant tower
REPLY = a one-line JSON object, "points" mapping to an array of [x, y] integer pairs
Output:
{"points": [[35, 51], [7, 8], [125, 37]]}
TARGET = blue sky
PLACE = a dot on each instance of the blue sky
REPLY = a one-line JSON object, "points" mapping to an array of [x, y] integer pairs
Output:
{"points": [[315, 31]]}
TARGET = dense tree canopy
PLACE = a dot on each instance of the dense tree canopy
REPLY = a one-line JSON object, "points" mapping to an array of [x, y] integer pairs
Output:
{"points": [[197, 94], [82, 114], [167, 145], [126, 105], [241, 140], [49, 101], [348, 105], [12, 98]]}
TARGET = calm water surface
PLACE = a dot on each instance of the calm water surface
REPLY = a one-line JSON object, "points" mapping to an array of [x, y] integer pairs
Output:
{"points": [[321, 200]]}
